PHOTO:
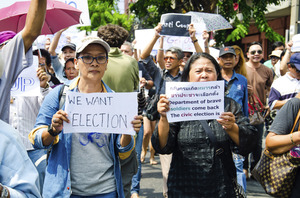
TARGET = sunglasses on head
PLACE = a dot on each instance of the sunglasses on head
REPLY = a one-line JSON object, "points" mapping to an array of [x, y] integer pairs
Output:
{"points": [[169, 57], [254, 52]]}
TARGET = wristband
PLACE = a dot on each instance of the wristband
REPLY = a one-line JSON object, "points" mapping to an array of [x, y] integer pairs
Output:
{"points": [[161, 49], [194, 41], [291, 136]]}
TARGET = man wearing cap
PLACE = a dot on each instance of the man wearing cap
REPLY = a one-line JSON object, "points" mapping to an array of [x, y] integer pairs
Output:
{"points": [[236, 84], [16, 52], [235, 88], [68, 51], [76, 169], [287, 86]]}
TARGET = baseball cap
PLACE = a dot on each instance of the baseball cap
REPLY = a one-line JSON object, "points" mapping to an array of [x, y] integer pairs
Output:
{"points": [[227, 50], [276, 53], [90, 40], [70, 45], [295, 59]]}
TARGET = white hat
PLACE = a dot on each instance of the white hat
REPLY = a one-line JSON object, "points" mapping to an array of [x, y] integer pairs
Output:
{"points": [[276, 53], [89, 40]]}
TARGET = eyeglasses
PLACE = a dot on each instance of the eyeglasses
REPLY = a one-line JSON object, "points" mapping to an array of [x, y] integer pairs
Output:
{"points": [[170, 57], [254, 52], [90, 59]]}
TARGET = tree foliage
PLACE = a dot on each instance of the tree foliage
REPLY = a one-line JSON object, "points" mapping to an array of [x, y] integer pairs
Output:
{"points": [[103, 12], [149, 12]]}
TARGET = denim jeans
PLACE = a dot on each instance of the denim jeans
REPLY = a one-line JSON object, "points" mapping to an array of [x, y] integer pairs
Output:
{"points": [[241, 177], [39, 159], [135, 186]]}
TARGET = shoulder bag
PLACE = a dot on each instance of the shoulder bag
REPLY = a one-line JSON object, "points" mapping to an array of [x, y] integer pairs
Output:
{"points": [[277, 173]]}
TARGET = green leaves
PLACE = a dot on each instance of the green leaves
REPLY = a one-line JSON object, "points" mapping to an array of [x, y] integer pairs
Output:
{"points": [[103, 12]]}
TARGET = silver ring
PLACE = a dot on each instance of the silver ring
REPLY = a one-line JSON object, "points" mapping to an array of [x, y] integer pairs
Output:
{"points": [[54, 120]]}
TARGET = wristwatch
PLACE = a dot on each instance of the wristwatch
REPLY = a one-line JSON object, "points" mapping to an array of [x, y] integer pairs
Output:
{"points": [[4, 191], [50, 130]]}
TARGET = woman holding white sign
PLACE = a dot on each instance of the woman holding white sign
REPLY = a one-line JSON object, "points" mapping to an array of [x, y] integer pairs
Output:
{"points": [[202, 164], [82, 164]]}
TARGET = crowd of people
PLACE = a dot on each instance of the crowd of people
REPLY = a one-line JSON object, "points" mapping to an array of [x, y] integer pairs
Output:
{"points": [[198, 158]]}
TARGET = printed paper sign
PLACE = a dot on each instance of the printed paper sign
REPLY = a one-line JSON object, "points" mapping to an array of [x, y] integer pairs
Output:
{"points": [[195, 100], [100, 112], [175, 24], [27, 83]]}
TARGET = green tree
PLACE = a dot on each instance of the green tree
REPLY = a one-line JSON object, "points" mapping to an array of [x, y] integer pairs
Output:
{"points": [[149, 13], [103, 12]]}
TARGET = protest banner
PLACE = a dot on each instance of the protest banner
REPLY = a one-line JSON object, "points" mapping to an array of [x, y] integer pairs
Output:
{"points": [[27, 83], [175, 24], [100, 112], [195, 100]]}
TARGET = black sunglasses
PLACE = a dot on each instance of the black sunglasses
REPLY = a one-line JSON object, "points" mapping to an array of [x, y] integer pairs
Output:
{"points": [[254, 52]]}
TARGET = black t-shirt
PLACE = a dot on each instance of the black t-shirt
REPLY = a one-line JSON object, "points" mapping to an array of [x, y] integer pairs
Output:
{"points": [[283, 124]]}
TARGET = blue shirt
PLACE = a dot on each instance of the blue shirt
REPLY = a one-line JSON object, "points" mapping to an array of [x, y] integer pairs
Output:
{"points": [[57, 179], [239, 91], [17, 172]]}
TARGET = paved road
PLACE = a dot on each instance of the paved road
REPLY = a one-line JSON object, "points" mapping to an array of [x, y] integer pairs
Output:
{"points": [[151, 183]]}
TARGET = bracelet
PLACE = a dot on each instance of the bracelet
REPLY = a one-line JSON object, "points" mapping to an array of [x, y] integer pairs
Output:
{"points": [[194, 41], [206, 47], [291, 136], [161, 49]]}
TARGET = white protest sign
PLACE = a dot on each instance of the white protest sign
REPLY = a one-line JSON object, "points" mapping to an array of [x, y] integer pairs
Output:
{"points": [[143, 38], [195, 100], [100, 112], [27, 83]]}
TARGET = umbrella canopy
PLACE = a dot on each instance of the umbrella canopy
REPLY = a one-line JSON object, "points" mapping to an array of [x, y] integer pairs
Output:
{"points": [[213, 22], [58, 16]]}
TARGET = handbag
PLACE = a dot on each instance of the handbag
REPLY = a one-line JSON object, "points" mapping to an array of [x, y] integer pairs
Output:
{"points": [[228, 165], [277, 173], [255, 108], [151, 108]]}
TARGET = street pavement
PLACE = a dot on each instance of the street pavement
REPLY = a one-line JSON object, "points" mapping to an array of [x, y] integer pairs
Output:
{"points": [[151, 182]]}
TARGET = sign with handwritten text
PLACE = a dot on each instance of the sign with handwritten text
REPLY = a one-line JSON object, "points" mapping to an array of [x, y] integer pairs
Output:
{"points": [[175, 24], [27, 83], [100, 112], [195, 100]]}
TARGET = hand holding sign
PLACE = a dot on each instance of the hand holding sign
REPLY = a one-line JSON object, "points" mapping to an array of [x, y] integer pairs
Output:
{"points": [[163, 105]]}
